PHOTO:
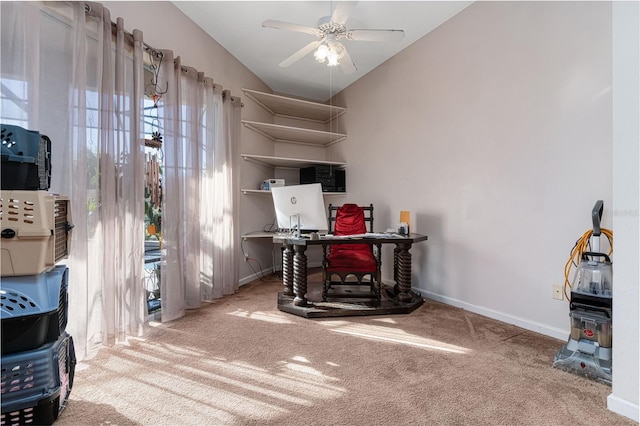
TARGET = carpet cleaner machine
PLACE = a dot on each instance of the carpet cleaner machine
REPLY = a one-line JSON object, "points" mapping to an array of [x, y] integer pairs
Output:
{"points": [[588, 349]]}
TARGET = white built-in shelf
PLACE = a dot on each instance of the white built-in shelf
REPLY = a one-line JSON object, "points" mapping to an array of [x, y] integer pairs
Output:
{"points": [[258, 235], [264, 192], [255, 191], [303, 114], [284, 106], [294, 163], [298, 135]]}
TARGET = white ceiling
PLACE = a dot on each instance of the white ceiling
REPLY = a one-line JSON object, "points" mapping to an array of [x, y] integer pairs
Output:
{"points": [[237, 26]]}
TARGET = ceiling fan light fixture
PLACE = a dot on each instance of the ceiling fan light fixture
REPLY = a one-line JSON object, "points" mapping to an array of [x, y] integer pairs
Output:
{"points": [[330, 52], [337, 49], [322, 53]]}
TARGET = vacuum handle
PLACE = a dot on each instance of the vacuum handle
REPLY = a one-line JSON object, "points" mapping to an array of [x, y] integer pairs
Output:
{"points": [[596, 217], [586, 254]]}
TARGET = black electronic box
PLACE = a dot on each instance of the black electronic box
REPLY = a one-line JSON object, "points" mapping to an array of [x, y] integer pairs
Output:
{"points": [[331, 177]]}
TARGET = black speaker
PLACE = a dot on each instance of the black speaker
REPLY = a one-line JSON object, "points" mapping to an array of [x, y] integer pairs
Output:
{"points": [[332, 179]]}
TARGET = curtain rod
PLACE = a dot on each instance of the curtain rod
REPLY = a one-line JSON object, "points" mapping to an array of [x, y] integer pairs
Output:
{"points": [[149, 49]]}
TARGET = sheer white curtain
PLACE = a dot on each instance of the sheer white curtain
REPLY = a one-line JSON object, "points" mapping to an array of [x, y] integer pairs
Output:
{"points": [[219, 213], [107, 187], [180, 276], [211, 131], [226, 189], [199, 227], [65, 75], [107, 71]]}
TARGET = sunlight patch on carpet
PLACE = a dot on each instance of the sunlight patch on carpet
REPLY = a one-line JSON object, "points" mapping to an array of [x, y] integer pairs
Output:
{"points": [[303, 385], [175, 394], [334, 323], [310, 381], [261, 316], [178, 350], [385, 320], [147, 358], [248, 388], [309, 371], [391, 335]]}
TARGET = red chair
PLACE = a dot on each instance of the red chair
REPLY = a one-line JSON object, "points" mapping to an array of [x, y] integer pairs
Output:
{"points": [[351, 259]]}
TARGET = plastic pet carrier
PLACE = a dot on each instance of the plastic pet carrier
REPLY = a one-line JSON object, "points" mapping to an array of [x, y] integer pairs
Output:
{"points": [[26, 159], [35, 231], [36, 384], [34, 309]]}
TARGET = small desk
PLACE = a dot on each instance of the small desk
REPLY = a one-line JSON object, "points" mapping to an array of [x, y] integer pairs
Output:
{"points": [[294, 271]]}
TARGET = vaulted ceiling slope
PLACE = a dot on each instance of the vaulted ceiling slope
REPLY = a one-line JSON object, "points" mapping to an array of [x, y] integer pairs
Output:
{"points": [[237, 26]]}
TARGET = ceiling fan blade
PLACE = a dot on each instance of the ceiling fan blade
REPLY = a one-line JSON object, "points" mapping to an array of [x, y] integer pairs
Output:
{"points": [[280, 25], [300, 53], [342, 11], [347, 63], [375, 35]]}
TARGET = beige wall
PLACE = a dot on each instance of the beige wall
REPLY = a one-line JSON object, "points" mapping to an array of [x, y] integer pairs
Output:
{"points": [[495, 131]]}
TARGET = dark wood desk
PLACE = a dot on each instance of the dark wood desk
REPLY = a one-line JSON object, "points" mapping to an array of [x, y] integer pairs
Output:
{"points": [[294, 270]]}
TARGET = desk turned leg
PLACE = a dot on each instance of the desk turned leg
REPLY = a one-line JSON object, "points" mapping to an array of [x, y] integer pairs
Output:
{"points": [[396, 250], [300, 275], [403, 271], [287, 270]]}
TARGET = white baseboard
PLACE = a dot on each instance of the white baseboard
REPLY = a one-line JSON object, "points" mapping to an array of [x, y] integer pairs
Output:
{"points": [[560, 334], [253, 277], [623, 407], [269, 271]]}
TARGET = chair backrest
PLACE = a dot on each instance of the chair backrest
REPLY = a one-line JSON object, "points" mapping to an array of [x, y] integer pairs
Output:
{"points": [[350, 219]]}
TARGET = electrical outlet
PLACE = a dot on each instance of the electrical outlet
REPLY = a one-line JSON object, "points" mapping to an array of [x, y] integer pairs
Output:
{"points": [[557, 292]]}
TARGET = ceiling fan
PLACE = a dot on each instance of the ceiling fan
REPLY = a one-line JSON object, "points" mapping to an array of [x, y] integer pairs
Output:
{"points": [[329, 31]]}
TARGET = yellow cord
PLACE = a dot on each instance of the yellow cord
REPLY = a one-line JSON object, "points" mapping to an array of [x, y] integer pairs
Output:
{"points": [[582, 245]]}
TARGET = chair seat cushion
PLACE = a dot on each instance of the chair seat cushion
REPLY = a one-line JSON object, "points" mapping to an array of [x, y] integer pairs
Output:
{"points": [[351, 257]]}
